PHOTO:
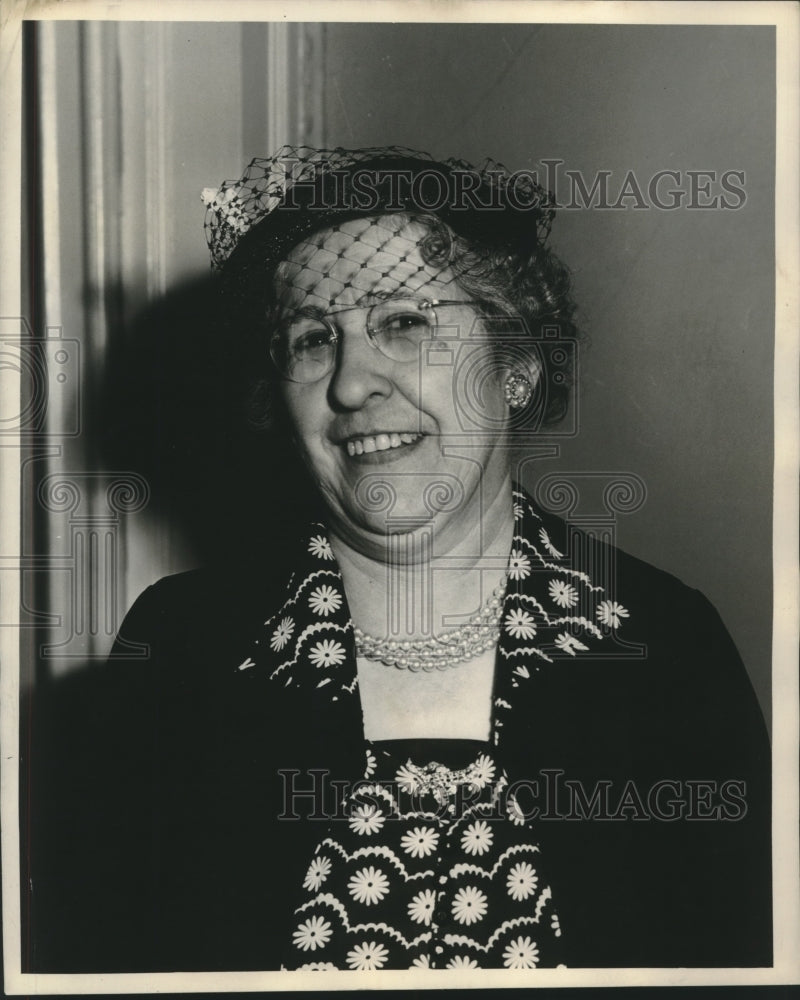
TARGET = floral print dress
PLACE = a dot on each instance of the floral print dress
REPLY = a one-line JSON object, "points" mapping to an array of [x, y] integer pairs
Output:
{"points": [[430, 862], [432, 866]]}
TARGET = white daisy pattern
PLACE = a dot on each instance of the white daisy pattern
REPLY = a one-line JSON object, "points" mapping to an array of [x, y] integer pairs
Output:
{"points": [[421, 907], [514, 811], [407, 780], [544, 538], [454, 888], [563, 593], [519, 565], [320, 547], [477, 838], [469, 905], [461, 962], [420, 842], [318, 871], [317, 967], [282, 634], [522, 881], [522, 953], [368, 886], [327, 653], [366, 820], [520, 624], [483, 772], [371, 764], [368, 956], [324, 600], [610, 612], [312, 934], [569, 644]]}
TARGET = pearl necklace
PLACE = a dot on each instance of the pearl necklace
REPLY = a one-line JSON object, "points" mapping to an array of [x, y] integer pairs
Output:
{"points": [[439, 651]]}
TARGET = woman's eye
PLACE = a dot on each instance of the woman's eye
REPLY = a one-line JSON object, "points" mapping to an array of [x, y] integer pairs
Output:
{"points": [[405, 324], [307, 341]]}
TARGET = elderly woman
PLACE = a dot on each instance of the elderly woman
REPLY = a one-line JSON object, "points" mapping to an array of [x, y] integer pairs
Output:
{"points": [[447, 731]]}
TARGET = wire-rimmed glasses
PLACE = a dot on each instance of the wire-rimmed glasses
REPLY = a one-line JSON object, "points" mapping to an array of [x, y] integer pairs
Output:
{"points": [[304, 349]]}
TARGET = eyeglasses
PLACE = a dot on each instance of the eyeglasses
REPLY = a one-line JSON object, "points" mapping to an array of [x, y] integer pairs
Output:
{"points": [[305, 348]]}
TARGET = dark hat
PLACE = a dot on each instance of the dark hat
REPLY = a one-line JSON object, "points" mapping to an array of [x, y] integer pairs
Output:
{"points": [[300, 190]]}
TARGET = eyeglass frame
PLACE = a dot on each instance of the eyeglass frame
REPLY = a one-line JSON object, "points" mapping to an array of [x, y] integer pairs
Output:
{"points": [[324, 318]]}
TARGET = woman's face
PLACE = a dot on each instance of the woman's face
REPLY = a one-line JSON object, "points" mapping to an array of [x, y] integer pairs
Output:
{"points": [[385, 440]]}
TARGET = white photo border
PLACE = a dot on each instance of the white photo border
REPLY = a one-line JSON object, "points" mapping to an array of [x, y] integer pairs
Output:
{"points": [[786, 878]]}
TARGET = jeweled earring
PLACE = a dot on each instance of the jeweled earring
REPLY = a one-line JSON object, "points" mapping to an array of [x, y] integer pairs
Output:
{"points": [[518, 391]]}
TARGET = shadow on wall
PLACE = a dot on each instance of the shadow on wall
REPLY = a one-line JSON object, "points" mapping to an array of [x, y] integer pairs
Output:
{"points": [[174, 407]]}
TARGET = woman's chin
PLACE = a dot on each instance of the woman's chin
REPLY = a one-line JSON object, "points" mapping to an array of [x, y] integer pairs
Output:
{"points": [[411, 533], [378, 535], [386, 503]]}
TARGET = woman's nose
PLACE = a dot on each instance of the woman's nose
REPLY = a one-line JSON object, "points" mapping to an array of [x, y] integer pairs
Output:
{"points": [[361, 372]]}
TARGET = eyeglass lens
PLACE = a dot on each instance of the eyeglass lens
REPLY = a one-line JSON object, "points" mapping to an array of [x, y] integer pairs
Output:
{"points": [[305, 349]]}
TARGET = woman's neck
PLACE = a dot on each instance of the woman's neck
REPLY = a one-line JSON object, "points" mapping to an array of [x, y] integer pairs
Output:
{"points": [[425, 586]]}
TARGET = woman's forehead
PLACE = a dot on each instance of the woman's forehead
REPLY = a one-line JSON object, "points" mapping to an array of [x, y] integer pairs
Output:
{"points": [[357, 259]]}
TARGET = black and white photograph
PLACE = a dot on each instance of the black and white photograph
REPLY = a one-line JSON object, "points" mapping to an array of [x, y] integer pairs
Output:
{"points": [[399, 451]]}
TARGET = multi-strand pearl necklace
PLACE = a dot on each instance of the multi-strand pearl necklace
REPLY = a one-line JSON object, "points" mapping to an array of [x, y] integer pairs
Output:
{"points": [[439, 652]]}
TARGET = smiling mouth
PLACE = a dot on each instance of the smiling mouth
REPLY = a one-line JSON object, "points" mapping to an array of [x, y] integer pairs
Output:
{"points": [[380, 442]]}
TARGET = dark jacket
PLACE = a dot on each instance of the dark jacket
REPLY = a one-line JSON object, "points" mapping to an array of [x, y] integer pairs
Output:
{"points": [[157, 842]]}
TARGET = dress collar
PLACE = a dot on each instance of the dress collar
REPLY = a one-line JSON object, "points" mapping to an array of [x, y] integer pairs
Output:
{"points": [[553, 613]]}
